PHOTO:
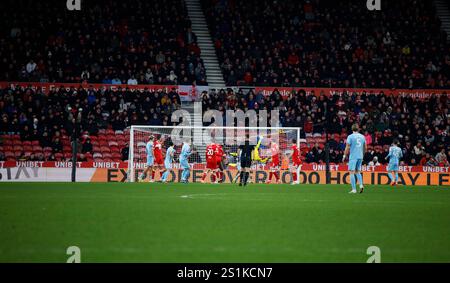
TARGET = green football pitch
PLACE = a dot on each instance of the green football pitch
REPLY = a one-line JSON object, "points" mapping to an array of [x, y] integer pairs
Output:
{"points": [[142, 222]]}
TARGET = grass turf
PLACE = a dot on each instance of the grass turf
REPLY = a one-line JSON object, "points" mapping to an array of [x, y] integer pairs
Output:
{"points": [[141, 222]]}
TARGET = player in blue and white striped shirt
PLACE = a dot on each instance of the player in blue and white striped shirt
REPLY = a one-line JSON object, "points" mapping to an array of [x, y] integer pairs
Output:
{"points": [[395, 154], [168, 161], [184, 156], [356, 144]]}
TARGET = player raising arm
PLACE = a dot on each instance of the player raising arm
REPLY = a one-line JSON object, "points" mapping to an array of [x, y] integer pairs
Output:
{"points": [[395, 153], [168, 162], [356, 145]]}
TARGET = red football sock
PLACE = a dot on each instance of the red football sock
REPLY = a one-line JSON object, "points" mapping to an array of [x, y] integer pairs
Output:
{"points": [[153, 175], [203, 176], [294, 176], [277, 176], [270, 176]]}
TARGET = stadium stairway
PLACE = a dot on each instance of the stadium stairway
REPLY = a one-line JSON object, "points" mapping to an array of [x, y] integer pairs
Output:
{"points": [[443, 12], [205, 42]]}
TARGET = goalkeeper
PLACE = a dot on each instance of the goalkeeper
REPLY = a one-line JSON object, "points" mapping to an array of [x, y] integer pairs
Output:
{"points": [[255, 153]]}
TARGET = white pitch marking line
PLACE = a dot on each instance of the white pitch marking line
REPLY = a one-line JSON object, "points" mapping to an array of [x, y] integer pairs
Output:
{"points": [[200, 195]]}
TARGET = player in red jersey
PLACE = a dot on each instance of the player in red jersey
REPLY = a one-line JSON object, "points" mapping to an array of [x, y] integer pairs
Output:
{"points": [[159, 160], [296, 162], [274, 164], [211, 162], [219, 153]]}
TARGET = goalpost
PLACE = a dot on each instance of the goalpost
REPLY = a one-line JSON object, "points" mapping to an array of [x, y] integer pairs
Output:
{"points": [[200, 136]]}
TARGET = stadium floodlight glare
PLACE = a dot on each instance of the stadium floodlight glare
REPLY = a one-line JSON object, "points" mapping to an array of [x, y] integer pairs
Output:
{"points": [[200, 136]]}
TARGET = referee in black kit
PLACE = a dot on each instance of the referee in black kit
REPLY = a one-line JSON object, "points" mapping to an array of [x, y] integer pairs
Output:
{"points": [[245, 154]]}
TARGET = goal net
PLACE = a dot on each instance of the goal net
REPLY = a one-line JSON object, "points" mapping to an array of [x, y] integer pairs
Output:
{"points": [[199, 137]]}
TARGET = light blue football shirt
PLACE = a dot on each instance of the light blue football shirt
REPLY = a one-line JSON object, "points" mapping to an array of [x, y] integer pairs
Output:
{"points": [[356, 142], [169, 155], [395, 153], [185, 151]]}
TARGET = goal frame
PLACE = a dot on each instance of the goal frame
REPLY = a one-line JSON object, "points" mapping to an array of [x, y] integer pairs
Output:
{"points": [[131, 175]]}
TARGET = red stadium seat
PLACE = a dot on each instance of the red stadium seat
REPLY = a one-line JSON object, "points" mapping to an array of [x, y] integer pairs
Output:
{"points": [[116, 155], [113, 143], [37, 148], [18, 148], [107, 155], [27, 148], [9, 154], [103, 143], [97, 155], [8, 148]]}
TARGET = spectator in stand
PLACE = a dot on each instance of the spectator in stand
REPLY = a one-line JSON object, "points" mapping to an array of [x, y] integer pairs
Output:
{"points": [[431, 162], [316, 44], [43, 118], [125, 151], [87, 146], [46, 43], [132, 81], [374, 162], [368, 138], [441, 158], [419, 150]]}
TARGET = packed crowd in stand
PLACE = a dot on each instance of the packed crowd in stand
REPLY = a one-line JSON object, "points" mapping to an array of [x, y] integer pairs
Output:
{"points": [[421, 126], [31, 118], [270, 43], [328, 44], [114, 42], [38, 126]]}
